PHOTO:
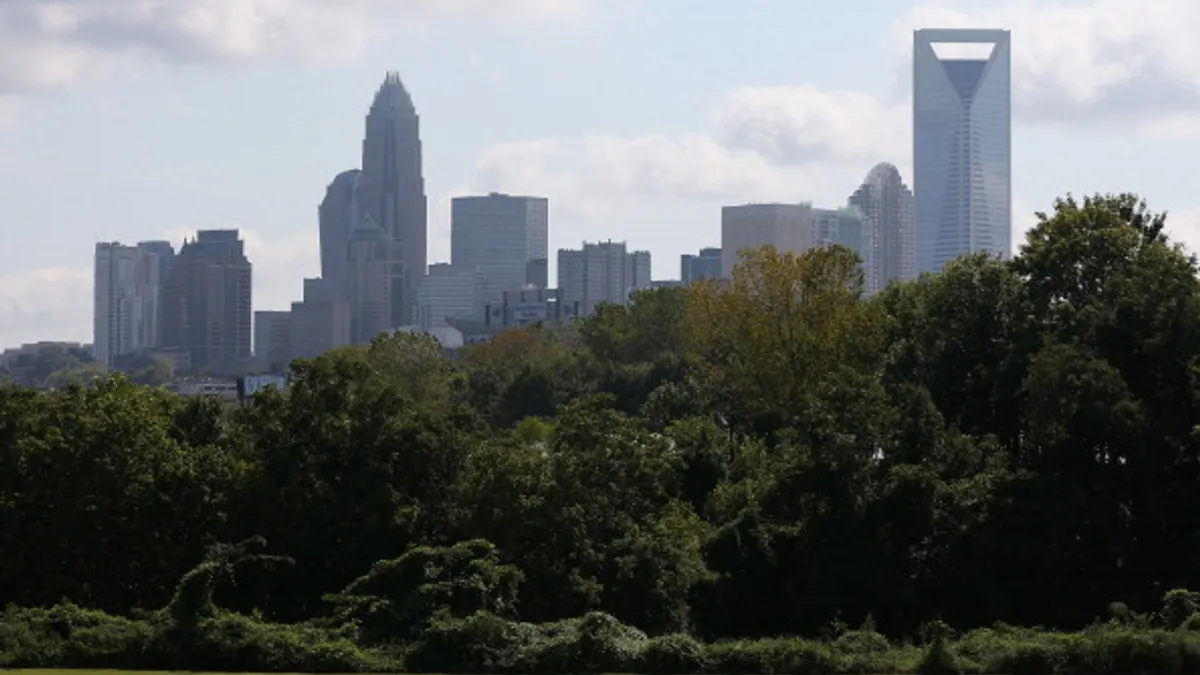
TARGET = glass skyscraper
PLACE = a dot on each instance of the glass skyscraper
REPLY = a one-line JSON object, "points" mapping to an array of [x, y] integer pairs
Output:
{"points": [[962, 147], [391, 189]]}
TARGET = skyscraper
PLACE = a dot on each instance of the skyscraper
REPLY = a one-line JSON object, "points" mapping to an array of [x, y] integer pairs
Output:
{"points": [[338, 215], [450, 291], [320, 322], [887, 207], [206, 300], [127, 286], [372, 267], [962, 146], [695, 267], [599, 273], [391, 188], [499, 236], [786, 227]]}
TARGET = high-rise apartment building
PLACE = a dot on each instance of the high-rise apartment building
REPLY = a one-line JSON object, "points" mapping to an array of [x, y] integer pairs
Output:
{"points": [[206, 300], [391, 189], [128, 284], [599, 273], [887, 207], [695, 267], [338, 215], [962, 145], [786, 227], [503, 237]]}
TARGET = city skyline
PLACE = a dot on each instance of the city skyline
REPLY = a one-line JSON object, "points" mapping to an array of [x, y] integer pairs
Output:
{"points": [[149, 164]]}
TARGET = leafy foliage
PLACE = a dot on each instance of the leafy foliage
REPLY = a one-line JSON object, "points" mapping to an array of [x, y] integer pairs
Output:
{"points": [[668, 486]]}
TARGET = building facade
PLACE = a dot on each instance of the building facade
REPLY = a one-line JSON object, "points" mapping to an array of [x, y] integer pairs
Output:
{"points": [[320, 322], [449, 292], [786, 227], [127, 298], [601, 272], [887, 207], [373, 267], [503, 237], [962, 146], [391, 189], [338, 216], [206, 300], [846, 227], [272, 339], [695, 267]]}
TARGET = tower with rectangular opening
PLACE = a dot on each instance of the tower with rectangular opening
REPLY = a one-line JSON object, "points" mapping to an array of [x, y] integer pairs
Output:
{"points": [[962, 144]]}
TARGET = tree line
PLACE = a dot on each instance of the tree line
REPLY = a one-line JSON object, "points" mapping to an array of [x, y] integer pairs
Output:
{"points": [[1010, 441]]}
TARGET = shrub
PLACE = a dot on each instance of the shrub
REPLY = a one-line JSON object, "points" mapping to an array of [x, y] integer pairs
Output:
{"points": [[67, 636], [1123, 652], [776, 655], [940, 659], [596, 643], [232, 642], [480, 643], [673, 655]]}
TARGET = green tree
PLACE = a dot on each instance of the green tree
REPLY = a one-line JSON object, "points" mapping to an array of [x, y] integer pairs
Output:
{"points": [[763, 343]]}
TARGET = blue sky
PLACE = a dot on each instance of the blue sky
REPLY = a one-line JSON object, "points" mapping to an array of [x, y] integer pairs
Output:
{"points": [[143, 119]]}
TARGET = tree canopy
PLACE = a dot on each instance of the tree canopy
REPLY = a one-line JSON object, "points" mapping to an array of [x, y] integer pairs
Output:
{"points": [[1006, 441]]}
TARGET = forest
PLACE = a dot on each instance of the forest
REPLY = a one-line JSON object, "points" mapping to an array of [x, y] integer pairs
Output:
{"points": [[991, 469]]}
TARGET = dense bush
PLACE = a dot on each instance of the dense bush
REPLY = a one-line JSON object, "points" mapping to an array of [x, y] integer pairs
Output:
{"points": [[65, 636]]}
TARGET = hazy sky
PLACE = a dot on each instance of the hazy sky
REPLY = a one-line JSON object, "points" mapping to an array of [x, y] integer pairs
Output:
{"points": [[145, 119]]}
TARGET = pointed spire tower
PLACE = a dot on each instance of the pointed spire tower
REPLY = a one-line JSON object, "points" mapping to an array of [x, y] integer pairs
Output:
{"points": [[391, 190]]}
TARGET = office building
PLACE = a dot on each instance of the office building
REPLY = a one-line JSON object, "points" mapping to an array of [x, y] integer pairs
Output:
{"points": [[338, 216], [601, 272], [515, 309], [206, 301], [790, 228], [391, 190], [373, 267], [962, 145], [639, 271], [786, 227], [695, 267], [449, 292], [320, 322], [128, 284], [887, 207], [503, 237], [272, 339], [846, 227]]}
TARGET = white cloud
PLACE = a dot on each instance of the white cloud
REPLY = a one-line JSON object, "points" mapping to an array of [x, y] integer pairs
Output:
{"points": [[1082, 61], [797, 124], [768, 144], [52, 43], [1125, 61], [1184, 227], [56, 303]]}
